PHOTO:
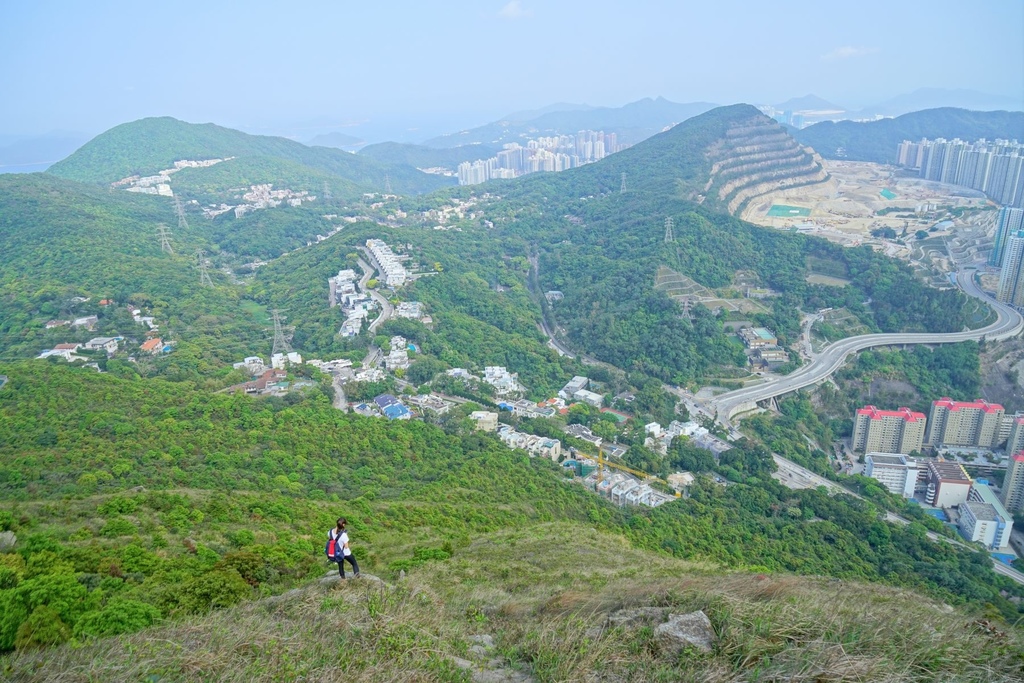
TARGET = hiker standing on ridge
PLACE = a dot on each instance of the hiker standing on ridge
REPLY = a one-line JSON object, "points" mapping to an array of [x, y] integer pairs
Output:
{"points": [[341, 550]]}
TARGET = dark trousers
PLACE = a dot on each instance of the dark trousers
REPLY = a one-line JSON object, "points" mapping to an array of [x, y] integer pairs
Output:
{"points": [[351, 560]]}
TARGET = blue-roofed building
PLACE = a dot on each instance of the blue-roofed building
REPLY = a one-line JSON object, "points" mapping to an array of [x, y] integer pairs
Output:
{"points": [[385, 400], [397, 412]]}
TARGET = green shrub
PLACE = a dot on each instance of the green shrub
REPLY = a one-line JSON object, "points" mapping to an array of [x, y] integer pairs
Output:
{"points": [[60, 592], [47, 562], [119, 616], [43, 627], [118, 527], [12, 613], [242, 537], [249, 566], [213, 590], [118, 506]]}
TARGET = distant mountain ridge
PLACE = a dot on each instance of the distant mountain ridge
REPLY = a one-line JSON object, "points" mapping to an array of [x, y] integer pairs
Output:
{"points": [[338, 140], [877, 140], [421, 156], [38, 152], [530, 114], [632, 122], [941, 98], [149, 145], [809, 103]]}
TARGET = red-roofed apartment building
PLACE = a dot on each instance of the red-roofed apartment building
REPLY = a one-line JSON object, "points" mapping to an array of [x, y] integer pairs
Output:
{"points": [[888, 431], [1013, 484], [964, 423]]}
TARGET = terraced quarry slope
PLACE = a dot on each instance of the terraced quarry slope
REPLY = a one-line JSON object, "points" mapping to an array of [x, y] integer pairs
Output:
{"points": [[757, 157]]}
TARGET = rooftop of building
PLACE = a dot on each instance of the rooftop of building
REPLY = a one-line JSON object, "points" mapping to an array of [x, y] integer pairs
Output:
{"points": [[890, 459], [976, 404], [950, 471], [903, 412], [983, 512], [987, 495]]}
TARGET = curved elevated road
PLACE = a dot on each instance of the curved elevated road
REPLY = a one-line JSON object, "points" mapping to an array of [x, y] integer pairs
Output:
{"points": [[1008, 324]]}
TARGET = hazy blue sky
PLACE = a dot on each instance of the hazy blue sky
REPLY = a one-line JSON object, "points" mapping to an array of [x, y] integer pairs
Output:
{"points": [[279, 66]]}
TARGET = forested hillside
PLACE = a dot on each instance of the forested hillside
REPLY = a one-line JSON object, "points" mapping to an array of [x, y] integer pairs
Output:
{"points": [[602, 248], [149, 145], [69, 246], [877, 140], [168, 500], [177, 501]]}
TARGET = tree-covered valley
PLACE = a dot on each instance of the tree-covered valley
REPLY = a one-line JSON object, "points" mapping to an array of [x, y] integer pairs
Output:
{"points": [[143, 494]]}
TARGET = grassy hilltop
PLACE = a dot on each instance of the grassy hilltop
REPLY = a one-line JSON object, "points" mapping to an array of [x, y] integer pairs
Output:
{"points": [[543, 594]]}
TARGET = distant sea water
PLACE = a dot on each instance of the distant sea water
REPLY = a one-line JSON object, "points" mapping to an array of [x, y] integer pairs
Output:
{"points": [[26, 168]]}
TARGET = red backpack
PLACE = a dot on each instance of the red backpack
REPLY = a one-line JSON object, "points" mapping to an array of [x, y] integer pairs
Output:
{"points": [[331, 549]]}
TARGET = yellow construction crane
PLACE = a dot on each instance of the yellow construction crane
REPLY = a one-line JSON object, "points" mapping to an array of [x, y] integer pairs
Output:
{"points": [[601, 462]]}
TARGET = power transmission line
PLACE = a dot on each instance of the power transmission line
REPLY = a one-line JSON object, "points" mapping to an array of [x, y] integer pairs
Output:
{"points": [[280, 342], [387, 183], [180, 210], [669, 236], [204, 275], [165, 238], [622, 187], [327, 192]]}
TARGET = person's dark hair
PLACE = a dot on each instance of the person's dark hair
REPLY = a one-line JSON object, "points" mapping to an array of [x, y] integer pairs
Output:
{"points": [[342, 522]]}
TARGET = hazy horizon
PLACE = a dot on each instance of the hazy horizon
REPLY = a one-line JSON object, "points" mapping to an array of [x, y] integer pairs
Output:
{"points": [[416, 70]]}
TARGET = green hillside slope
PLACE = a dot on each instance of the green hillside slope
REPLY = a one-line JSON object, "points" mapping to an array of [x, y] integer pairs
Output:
{"points": [[222, 182], [877, 140], [66, 241], [167, 501], [558, 602], [149, 145], [602, 248]]}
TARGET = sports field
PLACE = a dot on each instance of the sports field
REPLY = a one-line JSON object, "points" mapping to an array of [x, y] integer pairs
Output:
{"points": [[888, 194], [785, 211]]}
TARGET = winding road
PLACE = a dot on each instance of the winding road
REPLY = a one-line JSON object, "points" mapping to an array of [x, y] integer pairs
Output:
{"points": [[1008, 324]]}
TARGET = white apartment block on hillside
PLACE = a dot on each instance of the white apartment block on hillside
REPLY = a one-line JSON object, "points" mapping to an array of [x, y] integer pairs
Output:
{"points": [[391, 269]]}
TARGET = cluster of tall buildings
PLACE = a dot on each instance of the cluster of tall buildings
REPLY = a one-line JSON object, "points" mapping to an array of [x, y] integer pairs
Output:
{"points": [[888, 436], [995, 168], [1008, 254], [554, 153], [971, 424], [888, 431]]}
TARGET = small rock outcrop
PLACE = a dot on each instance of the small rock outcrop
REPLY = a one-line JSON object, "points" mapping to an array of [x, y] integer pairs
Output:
{"points": [[636, 616], [486, 667], [7, 541], [686, 630]]}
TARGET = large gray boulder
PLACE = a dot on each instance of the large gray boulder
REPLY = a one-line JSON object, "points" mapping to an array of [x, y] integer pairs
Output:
{"points": [[686, 630]]}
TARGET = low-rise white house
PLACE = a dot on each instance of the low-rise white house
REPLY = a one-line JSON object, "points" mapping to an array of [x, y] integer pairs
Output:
{"points": [[589, 397], [485, 420]]}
